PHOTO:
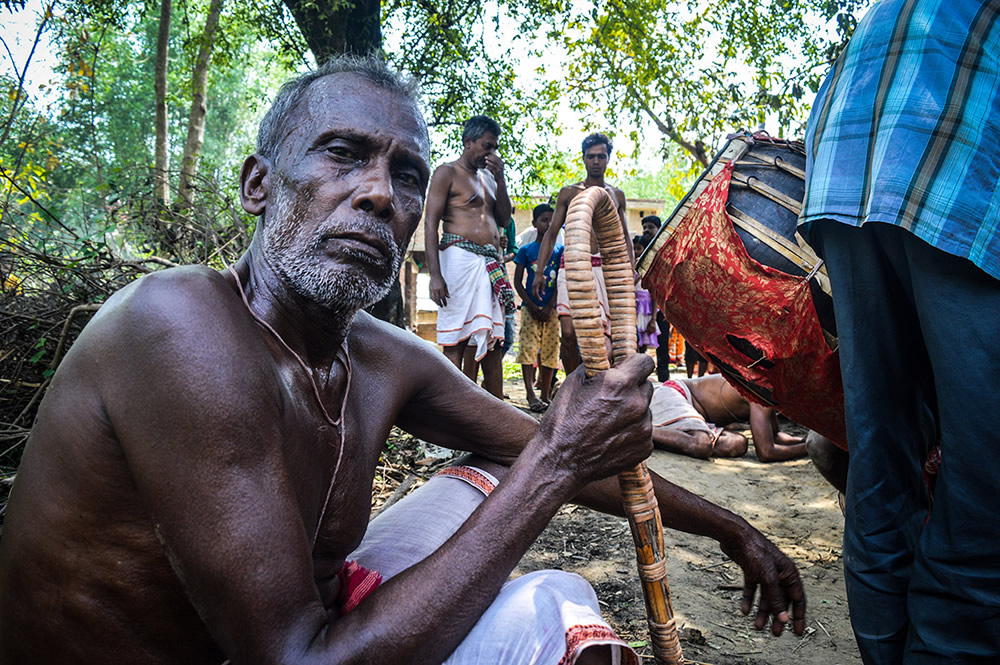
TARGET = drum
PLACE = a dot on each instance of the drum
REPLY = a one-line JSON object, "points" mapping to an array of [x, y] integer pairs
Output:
{"points": [[731, 273]]}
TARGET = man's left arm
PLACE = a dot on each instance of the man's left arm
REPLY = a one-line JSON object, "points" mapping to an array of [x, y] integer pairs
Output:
{"points": [[768, 441], [763, 564], [447, 409], [502, 207]]}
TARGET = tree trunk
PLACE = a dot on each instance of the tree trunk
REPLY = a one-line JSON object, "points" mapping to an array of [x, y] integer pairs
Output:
{"points": [[334, 27], [196, 122], [161, 189]]}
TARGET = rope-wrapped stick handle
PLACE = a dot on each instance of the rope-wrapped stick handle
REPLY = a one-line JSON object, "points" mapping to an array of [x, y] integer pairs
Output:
{"points": [[595, 209]]}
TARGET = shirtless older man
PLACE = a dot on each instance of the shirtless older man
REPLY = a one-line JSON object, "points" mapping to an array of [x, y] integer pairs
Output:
{"points": [[596, 153], [690, 417], [468, 199], [197, 486]]}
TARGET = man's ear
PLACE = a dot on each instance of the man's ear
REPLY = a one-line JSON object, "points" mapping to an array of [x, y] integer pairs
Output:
{"points": [[255, 184]]}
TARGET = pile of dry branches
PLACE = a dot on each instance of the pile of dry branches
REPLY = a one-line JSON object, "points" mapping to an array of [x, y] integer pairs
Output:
{"points": [[54, 275]]}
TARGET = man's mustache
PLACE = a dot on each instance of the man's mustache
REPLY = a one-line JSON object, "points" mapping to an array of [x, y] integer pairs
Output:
{"points": [[364, 230]]}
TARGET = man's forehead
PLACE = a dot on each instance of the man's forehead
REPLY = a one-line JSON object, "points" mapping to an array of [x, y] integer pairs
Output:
{"points": [[345, 100], [594, 150]]}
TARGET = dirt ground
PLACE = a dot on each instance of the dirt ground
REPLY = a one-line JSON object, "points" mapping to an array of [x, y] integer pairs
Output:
{"points": [[789, 502]]}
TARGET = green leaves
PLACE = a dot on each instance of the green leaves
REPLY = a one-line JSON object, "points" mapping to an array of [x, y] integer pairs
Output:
{"points": [[697, 72], [39, 349]]}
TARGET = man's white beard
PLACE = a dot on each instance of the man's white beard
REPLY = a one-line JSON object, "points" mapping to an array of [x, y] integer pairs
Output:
{"points": [[346, 289]]}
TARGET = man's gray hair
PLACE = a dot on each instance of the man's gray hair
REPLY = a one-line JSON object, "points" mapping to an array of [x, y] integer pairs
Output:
{"points": [[371, 67], [478, 125]]}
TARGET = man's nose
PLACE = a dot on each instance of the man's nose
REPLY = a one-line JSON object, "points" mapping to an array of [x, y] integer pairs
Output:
{"points": [[374, 195]]}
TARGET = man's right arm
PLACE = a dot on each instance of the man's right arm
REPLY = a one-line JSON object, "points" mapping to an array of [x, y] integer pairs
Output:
{"points": [[694, 445], [519, 274], [437, 199], [549, 240], [446, 410]]}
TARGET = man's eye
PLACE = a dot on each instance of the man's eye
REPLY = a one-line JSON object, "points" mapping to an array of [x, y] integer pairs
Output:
{"points": [[341, 151], [408, 177]]}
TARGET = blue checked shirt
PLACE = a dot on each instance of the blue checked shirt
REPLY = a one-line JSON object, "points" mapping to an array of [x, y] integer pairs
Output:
{"points": [[906, 127]]}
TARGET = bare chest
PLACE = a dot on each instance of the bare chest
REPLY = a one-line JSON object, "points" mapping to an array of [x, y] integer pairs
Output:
{"points": [[333, 467], [469, 211]]}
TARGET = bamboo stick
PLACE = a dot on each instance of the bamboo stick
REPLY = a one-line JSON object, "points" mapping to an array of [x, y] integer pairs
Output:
{"points": [[594, 209]]}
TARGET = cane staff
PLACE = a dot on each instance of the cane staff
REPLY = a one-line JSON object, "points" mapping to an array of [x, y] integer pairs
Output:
{"points": [[594, 209]]}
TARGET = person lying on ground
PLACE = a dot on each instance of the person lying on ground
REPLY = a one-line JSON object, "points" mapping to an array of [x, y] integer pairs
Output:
{"points": [[690, 416]]}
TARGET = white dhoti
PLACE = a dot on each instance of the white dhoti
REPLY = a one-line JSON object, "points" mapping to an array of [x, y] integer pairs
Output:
{"points": [[673, 407], [544, 617], [473, 311]]}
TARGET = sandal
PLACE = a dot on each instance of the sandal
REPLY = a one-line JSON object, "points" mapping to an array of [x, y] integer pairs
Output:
{"points": [[538, 406]]}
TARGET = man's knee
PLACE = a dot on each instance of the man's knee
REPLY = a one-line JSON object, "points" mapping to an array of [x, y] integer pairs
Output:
{"points": [[829, 459], [534, 602], [493, 358], [455, 353], [567, 330], [495, 469]]}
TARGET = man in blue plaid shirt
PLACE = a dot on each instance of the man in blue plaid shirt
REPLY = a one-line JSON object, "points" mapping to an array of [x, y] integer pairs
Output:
{"points": [[902, 202]]}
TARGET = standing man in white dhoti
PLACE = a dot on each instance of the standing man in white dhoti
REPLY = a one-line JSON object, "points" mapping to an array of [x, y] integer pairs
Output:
{"points": [[468, 198], [596, 152]]}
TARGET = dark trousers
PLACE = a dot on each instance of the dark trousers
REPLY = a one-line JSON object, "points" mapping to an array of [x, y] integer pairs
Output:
{"points": [[663, 350], [918, 331]]}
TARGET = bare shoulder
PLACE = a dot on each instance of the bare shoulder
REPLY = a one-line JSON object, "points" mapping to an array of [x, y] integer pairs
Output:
{"points": [[444, 173], [714, 381], [707, 389], [618, 194], [180, 317], [171, 287], [568, 192], [378, 341], [565, 197]]}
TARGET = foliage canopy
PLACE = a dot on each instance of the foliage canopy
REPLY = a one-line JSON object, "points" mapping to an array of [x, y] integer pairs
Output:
{"points": [[78, 217]]}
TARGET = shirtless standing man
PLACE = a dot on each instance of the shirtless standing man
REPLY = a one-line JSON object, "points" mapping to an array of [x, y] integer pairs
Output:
{"points": [[690, 417], [596, 153], [468, 199], [197, 486]]}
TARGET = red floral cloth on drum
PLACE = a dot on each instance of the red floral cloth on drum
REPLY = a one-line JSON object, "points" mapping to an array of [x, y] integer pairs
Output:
{"points": [[756, 323]]}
